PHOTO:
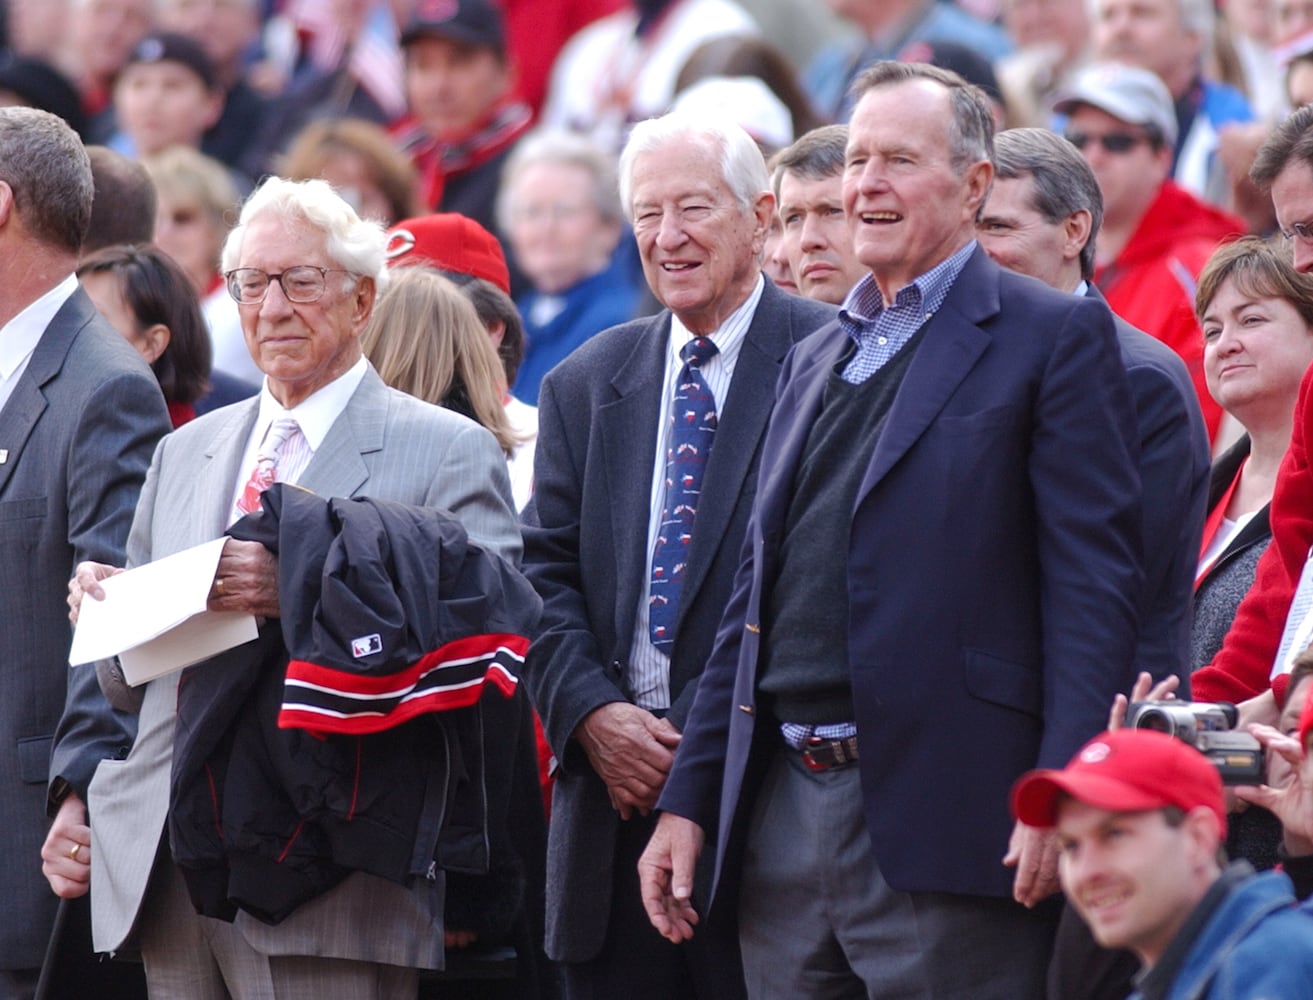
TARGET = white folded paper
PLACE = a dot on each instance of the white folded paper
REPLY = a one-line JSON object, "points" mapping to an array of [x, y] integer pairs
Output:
{"points": [[154, 619]]}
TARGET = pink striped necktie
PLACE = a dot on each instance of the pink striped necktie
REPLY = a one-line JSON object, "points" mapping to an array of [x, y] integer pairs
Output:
{"points": [[265, 473]]}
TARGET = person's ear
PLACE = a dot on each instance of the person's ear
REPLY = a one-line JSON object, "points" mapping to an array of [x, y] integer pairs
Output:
{"points": [[7, 209], [1202, 836], [363, 301], [763, 212], [1076, 228], [979, 178], [154, 341]]}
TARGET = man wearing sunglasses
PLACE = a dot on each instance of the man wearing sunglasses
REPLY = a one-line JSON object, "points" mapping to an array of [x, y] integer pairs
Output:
{"points": [[1156, 236]]}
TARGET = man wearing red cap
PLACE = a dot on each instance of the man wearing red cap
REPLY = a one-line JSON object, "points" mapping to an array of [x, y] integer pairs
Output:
{"points": [[1140, 820]]}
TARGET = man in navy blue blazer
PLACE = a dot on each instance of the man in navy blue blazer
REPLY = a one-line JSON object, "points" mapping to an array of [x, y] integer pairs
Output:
{"points": [[941, 589]]}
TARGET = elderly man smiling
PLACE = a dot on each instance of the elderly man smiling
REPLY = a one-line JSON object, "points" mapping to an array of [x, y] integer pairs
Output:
{"points": [[649, 439], [924, 551]]}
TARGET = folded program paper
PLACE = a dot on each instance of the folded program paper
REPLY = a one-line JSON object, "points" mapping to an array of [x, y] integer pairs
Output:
{"points": [[154, 617]]}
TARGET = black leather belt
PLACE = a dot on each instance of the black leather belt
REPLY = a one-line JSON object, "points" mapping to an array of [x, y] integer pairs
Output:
{"points": [[820, 754]]}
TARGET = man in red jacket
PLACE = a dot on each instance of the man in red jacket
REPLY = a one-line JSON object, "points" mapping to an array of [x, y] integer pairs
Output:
{"points": [[1245, 666], [1156, 236]]}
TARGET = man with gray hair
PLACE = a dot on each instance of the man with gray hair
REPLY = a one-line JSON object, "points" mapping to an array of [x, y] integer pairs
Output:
{"points": [[305, 271], [634, 533], [808, 182], [1156, 236], [936, 590], [81, 415], [1173, 39], [1041, 219]]}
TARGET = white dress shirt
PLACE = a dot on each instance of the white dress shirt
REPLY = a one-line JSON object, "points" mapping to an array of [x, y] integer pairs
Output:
{"points": [[647, 674], [19, 337]]}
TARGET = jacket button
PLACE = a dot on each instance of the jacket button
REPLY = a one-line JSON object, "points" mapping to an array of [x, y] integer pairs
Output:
{"points": [[754, 629], [747, 709]]}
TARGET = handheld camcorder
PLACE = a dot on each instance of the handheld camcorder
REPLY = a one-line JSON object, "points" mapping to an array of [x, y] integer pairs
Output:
{"points": [[1209, 727]]}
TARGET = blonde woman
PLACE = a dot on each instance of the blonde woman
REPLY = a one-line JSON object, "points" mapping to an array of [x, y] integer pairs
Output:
{"points": [[426, 340]]}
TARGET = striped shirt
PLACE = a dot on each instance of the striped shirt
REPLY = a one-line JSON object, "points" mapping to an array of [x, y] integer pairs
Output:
{"points": [[647, 674]]}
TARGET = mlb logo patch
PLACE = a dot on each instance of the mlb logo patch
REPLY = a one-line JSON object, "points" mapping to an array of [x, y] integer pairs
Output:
{"points": [[367, 645]]}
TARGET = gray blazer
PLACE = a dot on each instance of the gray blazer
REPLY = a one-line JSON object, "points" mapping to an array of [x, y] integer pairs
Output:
{"points": [[75, 439], [585, 552], [385, 444]]}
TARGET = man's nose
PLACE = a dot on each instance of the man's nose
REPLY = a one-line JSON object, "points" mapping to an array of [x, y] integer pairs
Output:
{"points": [[1303, 255]]}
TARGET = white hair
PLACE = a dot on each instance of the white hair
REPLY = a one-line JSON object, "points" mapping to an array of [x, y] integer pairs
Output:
{"points": [[568, 149], [355, 244], [741, 164], [1196, 16]]}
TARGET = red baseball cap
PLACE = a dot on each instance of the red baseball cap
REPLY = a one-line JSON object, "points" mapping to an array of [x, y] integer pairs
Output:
{"points": [[1129, 770], [452, 242]]}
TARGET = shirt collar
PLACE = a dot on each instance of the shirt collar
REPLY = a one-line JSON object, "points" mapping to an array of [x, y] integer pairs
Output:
{"points": [[729, 336], [19, 337], [927, 292], [318, 412]]}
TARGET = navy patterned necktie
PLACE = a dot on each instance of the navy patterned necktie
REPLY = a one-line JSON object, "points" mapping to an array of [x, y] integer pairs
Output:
{"points": [[692, 432]]}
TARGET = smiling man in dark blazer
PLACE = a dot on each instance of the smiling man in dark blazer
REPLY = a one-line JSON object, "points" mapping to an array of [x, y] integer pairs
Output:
{"points": [[615, 671], [941, 588]]}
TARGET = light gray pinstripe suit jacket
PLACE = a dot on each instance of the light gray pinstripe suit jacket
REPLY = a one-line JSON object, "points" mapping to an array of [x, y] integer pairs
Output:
{"points": [[386, 445]]}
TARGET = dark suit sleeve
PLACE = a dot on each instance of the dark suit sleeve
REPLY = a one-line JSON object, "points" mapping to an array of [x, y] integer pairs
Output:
{"points": [[693, 788], [1174, 475], [1083, 471], [116, 435], [565, 670]]}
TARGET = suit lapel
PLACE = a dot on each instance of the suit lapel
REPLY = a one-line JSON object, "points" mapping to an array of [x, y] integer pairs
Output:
{"points": [[338, 468], [795, 412], [951, 344], [628, 428], [217, 477]]}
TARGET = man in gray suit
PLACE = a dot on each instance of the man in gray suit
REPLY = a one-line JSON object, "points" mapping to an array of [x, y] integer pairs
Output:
{"points": [[305, 270], [79, 415], [612, 677]]}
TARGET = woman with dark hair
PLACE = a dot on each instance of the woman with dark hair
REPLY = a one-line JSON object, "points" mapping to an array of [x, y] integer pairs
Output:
{"points": [[149, 300], [1256, 311]]}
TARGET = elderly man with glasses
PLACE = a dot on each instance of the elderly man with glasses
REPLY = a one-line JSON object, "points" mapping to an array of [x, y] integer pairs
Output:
{"points": [[305, 271], [1156, 236]]}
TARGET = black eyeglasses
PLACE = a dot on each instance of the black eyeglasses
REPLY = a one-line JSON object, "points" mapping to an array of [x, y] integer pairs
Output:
{"points": [[1303, 230], [1113, 142], [304, 283]]}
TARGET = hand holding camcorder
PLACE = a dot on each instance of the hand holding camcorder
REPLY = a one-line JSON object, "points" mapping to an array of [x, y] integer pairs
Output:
{"points": [[1209, 727]]}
